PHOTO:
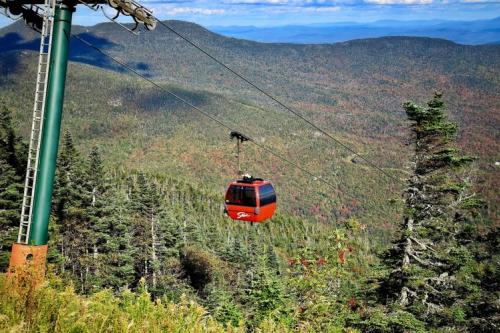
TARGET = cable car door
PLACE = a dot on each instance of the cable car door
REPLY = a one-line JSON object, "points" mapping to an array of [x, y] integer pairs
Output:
{"points": [[241, 202]]}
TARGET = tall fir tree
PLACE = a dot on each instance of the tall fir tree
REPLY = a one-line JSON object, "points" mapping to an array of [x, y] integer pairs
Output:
{"points": [[63, 189], [117, 253], [97, 187], [72, 199], [12, 169], [430, 264], [146, 204]]}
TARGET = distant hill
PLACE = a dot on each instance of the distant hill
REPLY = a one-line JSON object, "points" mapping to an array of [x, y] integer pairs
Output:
{"points": [[463, 32], [353, 89]]}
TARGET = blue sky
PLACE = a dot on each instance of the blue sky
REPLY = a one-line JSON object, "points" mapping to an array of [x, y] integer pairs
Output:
{"points": [[286, 12]]}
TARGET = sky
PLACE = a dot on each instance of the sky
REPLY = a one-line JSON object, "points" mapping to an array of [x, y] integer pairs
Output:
{"points": [[302, 12]]}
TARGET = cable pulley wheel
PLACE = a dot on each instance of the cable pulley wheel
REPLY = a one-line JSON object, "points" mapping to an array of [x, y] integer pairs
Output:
{"points": [[126, 4], [114, 3], [150, 26]]}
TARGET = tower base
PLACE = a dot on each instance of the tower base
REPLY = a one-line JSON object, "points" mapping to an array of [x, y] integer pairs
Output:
{"points": [[27, 264]]}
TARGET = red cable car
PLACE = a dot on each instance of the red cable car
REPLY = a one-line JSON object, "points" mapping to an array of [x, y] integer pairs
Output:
{"points": [[250, 199]]}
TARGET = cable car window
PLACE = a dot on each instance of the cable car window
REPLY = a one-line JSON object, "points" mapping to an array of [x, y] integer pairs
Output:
{"points": [[241, 196], [267, 195]]}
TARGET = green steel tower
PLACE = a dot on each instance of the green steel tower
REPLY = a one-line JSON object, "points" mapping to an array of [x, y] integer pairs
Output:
{"points": [[53, 19], [51, 125]]}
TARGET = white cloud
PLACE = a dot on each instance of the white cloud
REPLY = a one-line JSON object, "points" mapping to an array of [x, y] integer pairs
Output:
{"points": [[296, 3], [399, 2], [192, 10], [481, 1], [262, 2], [323, 9], [174, 10]]}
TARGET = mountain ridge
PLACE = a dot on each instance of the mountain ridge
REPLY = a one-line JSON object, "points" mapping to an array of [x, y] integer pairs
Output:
{"points": [[193, 28], [463, 32]]}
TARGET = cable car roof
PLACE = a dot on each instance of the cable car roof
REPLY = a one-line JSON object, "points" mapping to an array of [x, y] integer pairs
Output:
{"points": [[250, 180]]}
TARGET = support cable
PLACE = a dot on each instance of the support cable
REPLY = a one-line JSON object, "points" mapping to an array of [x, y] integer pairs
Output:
{"points": [[276, 100]]}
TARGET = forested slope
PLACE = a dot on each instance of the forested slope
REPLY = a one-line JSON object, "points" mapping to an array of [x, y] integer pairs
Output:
{"points": [[353, 89], [139, 128]]}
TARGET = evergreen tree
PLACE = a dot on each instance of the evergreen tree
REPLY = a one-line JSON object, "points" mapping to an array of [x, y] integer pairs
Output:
{"points": [[63, 189], [72, 198], [146, 204], [484, 315], [272, 260], [430, 263], [98, 187], [12, 171], [222, 305], [116, 254], [237, 253], [264, 292]]}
